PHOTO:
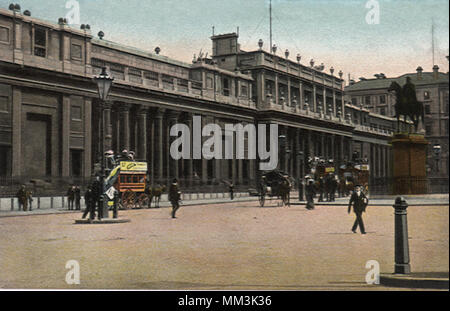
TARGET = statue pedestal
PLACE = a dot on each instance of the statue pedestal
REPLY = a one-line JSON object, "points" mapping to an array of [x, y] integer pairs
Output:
{"points": [[409, 165]]}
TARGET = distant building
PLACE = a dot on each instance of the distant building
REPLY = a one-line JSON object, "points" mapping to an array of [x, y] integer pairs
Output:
{"points": [[432, 89]]}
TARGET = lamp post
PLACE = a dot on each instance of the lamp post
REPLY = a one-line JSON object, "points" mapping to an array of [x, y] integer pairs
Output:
{"points": [[104, 82]]}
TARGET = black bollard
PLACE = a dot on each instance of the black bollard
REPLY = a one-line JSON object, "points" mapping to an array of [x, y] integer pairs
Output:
{"points": [[402, 265]]}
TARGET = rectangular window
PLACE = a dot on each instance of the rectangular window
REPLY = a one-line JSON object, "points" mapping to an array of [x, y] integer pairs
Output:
{"points": [[75, 113], [354, 101], [367, 100], [40, 42], [76, 52], [182, 85], [383, 111], [4, 104], [167, 82], [209, 83], [244, 90], [428, 129], [76, 163], [135, 75], [4, 160], [427, 109], [226, 87], [382, 99], [4, 34], [151, 75], [426, 95]]}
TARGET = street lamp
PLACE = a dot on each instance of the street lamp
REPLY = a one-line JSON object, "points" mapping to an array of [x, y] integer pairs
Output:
{"points": [[104, 82]]}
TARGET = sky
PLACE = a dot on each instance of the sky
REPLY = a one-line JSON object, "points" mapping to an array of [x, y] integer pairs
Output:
{"points": [[334, 32]]}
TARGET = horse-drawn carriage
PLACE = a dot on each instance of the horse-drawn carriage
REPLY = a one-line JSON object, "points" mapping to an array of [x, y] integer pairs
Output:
{"points": [[275, 184], [131, 183], [352, 174]]}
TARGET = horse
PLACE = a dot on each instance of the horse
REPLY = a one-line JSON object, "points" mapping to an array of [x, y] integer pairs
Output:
{"points": [[406, 103], [155, 193], [401, 109], [284, 191]]}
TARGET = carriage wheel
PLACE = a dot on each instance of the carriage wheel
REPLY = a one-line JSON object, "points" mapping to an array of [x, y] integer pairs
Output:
{"points": [[142, 201], [128, 199], [262, 199]]}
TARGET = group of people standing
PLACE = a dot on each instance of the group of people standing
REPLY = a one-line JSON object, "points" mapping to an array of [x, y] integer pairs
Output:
{"points": [[74, 197]]}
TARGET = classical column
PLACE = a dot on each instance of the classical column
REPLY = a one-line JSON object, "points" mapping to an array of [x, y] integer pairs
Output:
{"points": [[65, 135], [16, 131], [107, 125], [234, 160], [151, 147], [205, 120], [142, 130], [262, 89], [276, 97], [296, 154], [301, 99], [333, 149], [124, 126], [314, 98], [159, 151], [289, 92], [173, 164], [322, 145], [310, 144], [341, 149], [87, 155], [217, 162], [190, 161], [350, 148], [334, 103]]}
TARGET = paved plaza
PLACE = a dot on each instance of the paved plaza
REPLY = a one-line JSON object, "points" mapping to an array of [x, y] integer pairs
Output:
{"points": [[233, 246]]}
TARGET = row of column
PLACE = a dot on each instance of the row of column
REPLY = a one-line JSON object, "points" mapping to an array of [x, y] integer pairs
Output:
{"points": [[146, 131], [300, 144]]}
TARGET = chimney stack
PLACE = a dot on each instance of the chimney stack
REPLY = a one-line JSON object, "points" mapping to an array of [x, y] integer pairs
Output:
{"points": [[419, 73], [435, 72]]}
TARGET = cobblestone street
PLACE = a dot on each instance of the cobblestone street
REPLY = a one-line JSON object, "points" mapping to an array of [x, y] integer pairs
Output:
{"points": [[223, 246]]}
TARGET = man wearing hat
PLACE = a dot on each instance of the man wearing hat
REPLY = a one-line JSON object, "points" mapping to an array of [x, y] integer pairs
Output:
{"points": [[174, 196], [359, 202]]}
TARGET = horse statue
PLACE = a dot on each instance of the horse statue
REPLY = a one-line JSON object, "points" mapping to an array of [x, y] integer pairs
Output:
{"points": [[406, 103]]}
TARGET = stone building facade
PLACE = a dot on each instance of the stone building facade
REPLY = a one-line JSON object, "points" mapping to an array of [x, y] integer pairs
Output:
{"points": [[50, 113], [432, 90]]}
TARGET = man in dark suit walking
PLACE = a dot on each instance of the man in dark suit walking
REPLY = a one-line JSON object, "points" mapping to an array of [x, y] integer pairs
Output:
{"points": [[359, 201]]}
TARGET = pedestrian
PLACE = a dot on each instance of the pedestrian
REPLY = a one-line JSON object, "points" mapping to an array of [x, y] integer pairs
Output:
{"points": [[89, 201], [174, 196], [327, 187], [359, 202], [77, 198], [300, 189], [71, 196], [231, 190], [321, 189], [310, 194], [22, 198], [333, 187], [30, 199]]}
